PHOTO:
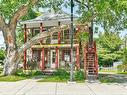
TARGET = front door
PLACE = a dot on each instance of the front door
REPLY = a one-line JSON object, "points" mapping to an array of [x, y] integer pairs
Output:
{"points": [[53, 57]]}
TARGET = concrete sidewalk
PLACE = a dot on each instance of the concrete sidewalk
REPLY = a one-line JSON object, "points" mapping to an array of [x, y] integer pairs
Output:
{"points": [[31, 87]]}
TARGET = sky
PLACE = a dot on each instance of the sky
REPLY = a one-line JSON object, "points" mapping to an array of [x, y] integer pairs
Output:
{"points": [[1, 40]]}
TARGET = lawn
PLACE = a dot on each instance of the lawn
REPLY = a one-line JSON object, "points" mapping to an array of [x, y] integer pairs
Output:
{"points": [[20, 75], [63, 76], [110, 71], [53, 79], [12, 78], [112, 78], [59, 79]]}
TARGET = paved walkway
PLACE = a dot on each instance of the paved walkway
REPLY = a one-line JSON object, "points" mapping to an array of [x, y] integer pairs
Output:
{"points": [[31, 87]]}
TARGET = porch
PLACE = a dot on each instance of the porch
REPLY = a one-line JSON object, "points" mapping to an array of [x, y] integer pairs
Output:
{"points": [[55, 56]]}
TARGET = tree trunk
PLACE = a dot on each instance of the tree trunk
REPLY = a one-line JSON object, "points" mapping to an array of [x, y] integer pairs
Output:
{"points": [[10, 64], [9, 34], [14, 55]]}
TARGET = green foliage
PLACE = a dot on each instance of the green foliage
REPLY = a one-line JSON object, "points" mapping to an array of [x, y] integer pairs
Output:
{"points": [[2, 54], [82, 36], [52, 5], [53, 79], [79, 75], [32, 64], [122, 68], [109, 48], [110, 14], [19, 37], [9, 7], [105, 78], [28, 73], [125, 57], [12, 78], [61, 73]]}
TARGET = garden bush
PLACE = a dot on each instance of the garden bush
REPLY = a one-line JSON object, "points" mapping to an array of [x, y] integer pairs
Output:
{"points": [[122, 68], [79, 75], [62, 73]]}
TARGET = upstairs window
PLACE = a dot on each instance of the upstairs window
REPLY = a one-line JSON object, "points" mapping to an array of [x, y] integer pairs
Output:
{"points": [[55, 36], [66, 34]]}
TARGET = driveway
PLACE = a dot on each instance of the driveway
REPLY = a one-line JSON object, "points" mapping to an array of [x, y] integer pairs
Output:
{"points": [[31, 87]]}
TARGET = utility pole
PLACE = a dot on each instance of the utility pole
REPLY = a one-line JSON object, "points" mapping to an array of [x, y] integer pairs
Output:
{"points": [[72, 33]]}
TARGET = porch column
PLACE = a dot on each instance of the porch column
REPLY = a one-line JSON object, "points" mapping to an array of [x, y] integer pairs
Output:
{"points": [[41, 27], [43, 59], [77, 58], [41, 30], [85, 61], [57, 58], [59, 40], [57, 50], [25, 52]]}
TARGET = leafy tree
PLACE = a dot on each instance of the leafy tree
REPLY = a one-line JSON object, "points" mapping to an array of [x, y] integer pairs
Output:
{"points": [[110, 14], [2, 54], [125, 57], [109, 48], [11, 11], [83, 38]]}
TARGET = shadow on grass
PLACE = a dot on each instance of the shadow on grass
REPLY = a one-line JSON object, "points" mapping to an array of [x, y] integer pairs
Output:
{"points": [[112, 78]]}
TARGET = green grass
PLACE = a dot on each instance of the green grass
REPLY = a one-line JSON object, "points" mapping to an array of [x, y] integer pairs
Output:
{"points": [[20, 75], [122, 73], [58, 79], [106, 78], [12, 78], [112, 71], [53, 79], [62, 75]]}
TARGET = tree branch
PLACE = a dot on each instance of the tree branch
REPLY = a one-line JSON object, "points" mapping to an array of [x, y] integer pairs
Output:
{"points": [[22, 11], [82, 4], [2, 23]]}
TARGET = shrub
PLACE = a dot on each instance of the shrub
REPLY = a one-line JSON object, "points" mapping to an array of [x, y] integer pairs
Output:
{"points": [[37, 73], [61, 73], [122, 68], [2, 54], [79, 75]]}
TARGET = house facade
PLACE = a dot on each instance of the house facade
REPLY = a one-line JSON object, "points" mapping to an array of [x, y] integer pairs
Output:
{"points": [[54, 51]]}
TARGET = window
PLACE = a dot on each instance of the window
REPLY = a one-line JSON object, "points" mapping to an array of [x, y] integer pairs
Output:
{"points": [[66, 34], [53, 57], [36, 31], [67, 55], [55, 36]]}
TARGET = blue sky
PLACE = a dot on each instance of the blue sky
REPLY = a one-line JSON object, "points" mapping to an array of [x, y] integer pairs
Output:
{"points": [[1, 39]]}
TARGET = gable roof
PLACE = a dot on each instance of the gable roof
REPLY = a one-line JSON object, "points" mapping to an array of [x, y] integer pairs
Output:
{"points": [[49, 19]]}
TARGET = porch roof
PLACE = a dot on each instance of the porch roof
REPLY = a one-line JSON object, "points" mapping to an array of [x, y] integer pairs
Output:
{"points": [[54, 45], [49, 19]]}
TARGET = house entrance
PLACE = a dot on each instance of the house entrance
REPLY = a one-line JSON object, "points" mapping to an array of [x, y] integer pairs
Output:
{"points": [[53, 57]]}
